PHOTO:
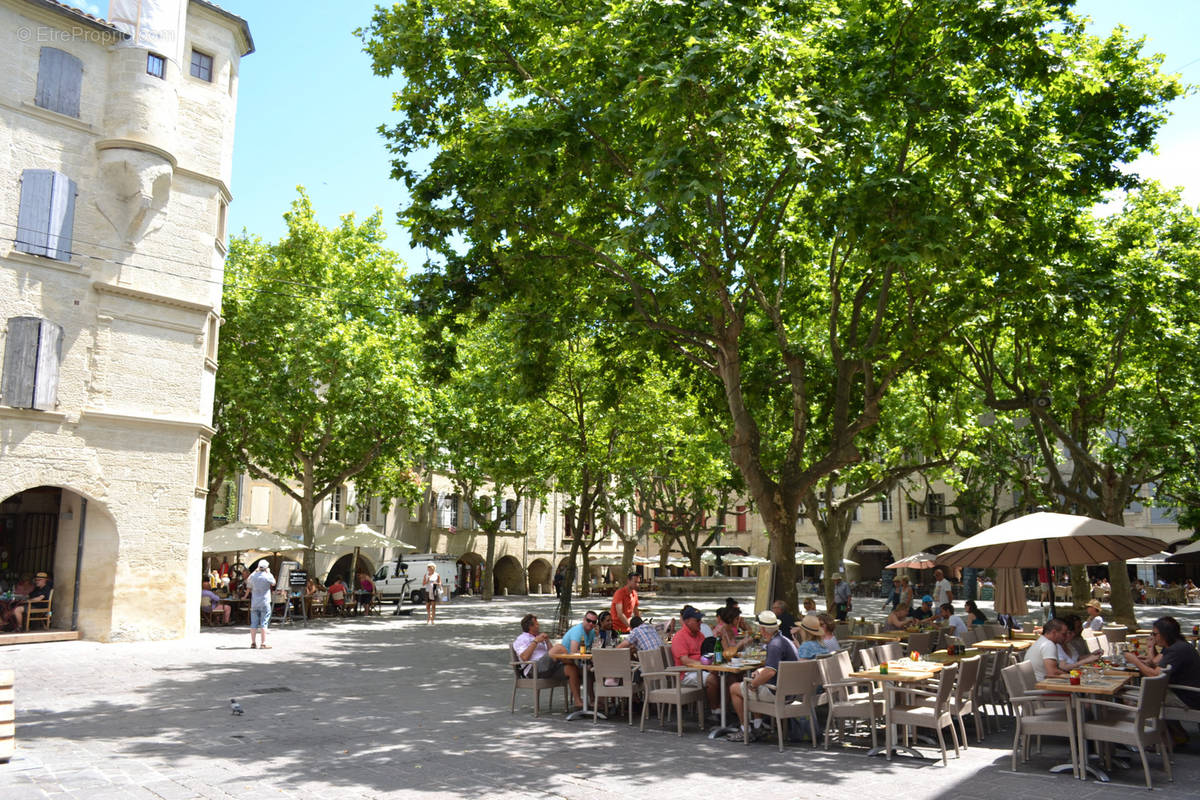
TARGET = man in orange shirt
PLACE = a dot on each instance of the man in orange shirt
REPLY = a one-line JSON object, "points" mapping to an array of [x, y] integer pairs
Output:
{"points": [[625, 603]]}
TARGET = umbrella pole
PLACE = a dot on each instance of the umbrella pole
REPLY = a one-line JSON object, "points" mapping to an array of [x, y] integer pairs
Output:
{"points": [[1049, 576]]}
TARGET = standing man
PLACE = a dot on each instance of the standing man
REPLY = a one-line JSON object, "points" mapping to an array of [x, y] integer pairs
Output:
{"points": [[841, 597], [261, 583], [942, 593], [625, 603]]}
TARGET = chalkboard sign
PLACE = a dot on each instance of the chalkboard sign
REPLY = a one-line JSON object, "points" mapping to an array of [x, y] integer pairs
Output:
{"points": [[297, 578]]}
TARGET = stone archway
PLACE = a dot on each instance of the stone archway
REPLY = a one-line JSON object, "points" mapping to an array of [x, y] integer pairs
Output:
{"points": [[40, 532], [540, 579], [339, 569], [508, 576], [873, 556]]}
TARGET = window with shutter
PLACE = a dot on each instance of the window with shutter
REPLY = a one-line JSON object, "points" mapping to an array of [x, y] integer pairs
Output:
{"points": [[46, 215], [60, 76], [32, 353]]}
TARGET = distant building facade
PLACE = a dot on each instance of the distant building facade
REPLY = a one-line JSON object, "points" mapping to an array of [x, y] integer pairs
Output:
{"points": [[116, 144]]}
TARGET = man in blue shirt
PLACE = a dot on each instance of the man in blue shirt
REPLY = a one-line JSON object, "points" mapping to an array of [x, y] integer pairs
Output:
{"points": [[582, 634], [762, 680]]}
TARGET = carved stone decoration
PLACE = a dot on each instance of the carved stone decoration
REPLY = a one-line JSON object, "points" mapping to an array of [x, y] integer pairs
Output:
{"points": [[135, 186]]}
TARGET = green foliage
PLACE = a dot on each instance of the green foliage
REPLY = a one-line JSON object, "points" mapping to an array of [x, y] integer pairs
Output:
{"points": [[803, 200], [317, 380]]}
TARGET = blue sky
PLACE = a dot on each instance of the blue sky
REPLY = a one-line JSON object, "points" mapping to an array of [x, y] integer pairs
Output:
{"points": [[309, 108]]}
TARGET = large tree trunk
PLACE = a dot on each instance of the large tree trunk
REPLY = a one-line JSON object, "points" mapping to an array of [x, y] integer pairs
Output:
{"points": [[489, 588], [628, 551], [306, 525], [1081, 587]]}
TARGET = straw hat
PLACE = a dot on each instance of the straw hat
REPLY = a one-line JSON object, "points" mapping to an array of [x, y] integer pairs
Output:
{"points": [[1093, 603]]}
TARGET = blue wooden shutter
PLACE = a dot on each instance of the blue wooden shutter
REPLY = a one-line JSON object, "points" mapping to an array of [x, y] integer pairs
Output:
{"points": [[45, 390], [519, 520], [32, 351], [33, 217], [46, 216], [60, 76], [62, 218]]}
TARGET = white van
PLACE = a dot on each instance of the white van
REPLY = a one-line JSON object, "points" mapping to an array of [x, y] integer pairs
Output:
{"points": [[400, 581]]}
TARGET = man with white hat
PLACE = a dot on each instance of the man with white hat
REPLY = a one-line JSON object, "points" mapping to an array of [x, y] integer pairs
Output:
{"points": [[762, 680], [261, 583]]}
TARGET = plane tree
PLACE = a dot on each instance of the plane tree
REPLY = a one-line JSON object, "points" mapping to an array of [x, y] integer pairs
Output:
{"points": [[1102, 362], [317, 378], [803, 201]]}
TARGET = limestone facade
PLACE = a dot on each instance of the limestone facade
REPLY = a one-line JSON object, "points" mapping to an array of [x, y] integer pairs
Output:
{"points": [[125, 284]]}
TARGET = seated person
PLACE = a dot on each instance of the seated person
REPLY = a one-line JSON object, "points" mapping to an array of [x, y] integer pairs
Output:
{"points": [[974, 614], [686, 650], [580, 635], [810, 606], [642, 636], [1044, 653], [743, 626], [604, 631], [1074, 651], [312, 586], [787, 622], [24, 585], [366, 590], [898, 620], [946, 616], [925, 610], [810, 638], [533, 646], [334, 588], [727, 630], [828, 639], [37, 598], [1180, 659], [762, 680], [211, 601]]}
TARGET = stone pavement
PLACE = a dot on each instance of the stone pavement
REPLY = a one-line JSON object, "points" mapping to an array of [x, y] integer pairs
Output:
{"points": [[390, 707]]}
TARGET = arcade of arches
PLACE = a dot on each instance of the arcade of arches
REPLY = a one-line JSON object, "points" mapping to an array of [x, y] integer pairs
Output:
{"points": [[507, 575]]}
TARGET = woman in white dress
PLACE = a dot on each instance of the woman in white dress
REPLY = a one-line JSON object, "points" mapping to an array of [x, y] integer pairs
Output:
{"points": [[432, 584]]}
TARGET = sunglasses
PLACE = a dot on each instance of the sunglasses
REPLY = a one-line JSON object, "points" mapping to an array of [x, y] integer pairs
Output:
{"points": [[592, 621]]}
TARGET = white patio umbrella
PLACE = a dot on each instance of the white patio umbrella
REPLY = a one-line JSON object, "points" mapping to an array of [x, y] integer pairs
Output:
{"points": [[915, 561], [746, 561], [235, 538], [1009, 597], [357, 536], [1186, 555], [1153, 560], [605, 561], [1046, 539]]}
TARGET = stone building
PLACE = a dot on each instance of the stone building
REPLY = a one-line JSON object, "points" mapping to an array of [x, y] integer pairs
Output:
{"points": [[116, 142]]}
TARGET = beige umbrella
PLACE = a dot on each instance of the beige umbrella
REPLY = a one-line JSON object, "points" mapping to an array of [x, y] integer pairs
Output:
{"points": [[915, 561], [1186, 555], [1046, 539], [235, 538], [1010, 593], [357, 536]]}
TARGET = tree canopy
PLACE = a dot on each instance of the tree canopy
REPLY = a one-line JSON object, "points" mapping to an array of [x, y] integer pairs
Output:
{"points": [[803, 200], [317, 382]]}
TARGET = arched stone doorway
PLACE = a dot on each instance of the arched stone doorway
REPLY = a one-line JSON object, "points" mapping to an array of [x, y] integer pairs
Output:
{"points": [[873, 556], [540, 579], [508, 577], [40, 532], [470, 573], [340, 569]]}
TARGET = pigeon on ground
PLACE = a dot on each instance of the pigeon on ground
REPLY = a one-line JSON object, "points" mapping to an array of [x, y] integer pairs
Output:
{"points": [[235, 708]]}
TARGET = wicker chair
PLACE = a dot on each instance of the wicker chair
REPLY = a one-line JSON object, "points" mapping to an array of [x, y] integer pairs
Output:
{"points": [[537, 684], [795, 695]]}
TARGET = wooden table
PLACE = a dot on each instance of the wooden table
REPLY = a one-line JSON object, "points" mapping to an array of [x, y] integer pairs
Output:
{"points": [[899, 672], [1018, 646], [942, 657], [883, 637], [585, 662], [1111, 682], [1032, 636], [723, 671]]}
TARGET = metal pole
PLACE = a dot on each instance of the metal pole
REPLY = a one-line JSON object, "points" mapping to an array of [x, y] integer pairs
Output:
{"points": [[1049, 576], [78, 563]]}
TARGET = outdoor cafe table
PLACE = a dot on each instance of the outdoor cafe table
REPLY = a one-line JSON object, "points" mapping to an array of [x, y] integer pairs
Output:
{"points": [[1023, 636], [899, 672], [723, 672], [1018, 646], [585, 662], [1107, 685], [882, 637], [942, 657]]}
